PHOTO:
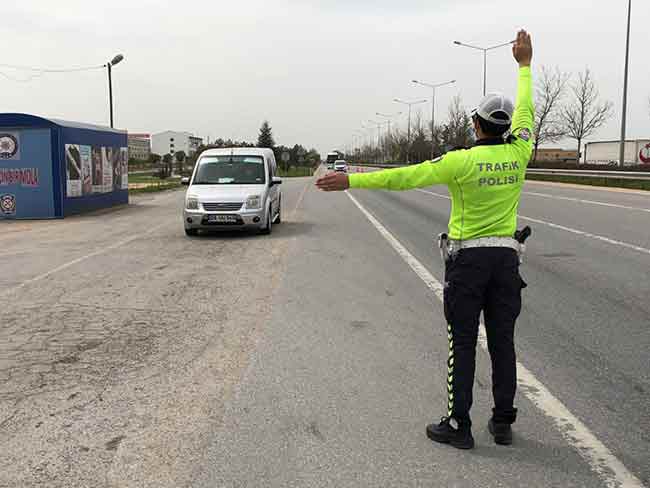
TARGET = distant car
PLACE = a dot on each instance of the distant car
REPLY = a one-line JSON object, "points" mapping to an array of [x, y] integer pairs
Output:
{"points": [[233, 189], [341, 166]]}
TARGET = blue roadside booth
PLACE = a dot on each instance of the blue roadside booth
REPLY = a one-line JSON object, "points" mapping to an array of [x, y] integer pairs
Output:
{"points": [[54, 168]]}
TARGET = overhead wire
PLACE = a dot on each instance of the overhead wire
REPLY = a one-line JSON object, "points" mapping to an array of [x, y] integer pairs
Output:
{"points": [[20, 80], [39, 72], [50, 70]]}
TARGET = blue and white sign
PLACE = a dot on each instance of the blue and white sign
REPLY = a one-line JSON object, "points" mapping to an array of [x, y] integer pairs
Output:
{"points": [[9, 145]]}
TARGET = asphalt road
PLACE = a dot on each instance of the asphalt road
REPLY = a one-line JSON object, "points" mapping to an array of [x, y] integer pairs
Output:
{"points": [[131, 355]]}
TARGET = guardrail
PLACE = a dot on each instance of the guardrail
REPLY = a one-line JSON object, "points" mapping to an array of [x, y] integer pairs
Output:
{"points": [[586, 173]]}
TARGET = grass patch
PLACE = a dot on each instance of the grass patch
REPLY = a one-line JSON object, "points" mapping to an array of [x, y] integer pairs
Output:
{"points": [[144, 178], [155, 187], [582, 180], [149, 184], [147, 173]]}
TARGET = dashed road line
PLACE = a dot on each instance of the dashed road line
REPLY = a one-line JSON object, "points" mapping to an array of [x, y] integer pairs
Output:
{"points": [[590, 202], [582, 233], [600, 459]]}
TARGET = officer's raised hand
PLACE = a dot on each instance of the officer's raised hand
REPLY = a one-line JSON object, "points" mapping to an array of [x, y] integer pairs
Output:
{"points": [[334, 182], [522, 49]]}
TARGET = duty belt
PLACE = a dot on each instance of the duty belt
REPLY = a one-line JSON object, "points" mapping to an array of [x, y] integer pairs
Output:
{"points": [[449, 248], [509, 242]]}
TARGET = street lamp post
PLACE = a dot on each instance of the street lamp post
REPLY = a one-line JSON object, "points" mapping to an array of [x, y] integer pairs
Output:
{"points": [[408, 137], [357, 137], [485, 51], [379, 125], [433, 108], [625, 86], [366, 139], [389, 118], [117, 59]]}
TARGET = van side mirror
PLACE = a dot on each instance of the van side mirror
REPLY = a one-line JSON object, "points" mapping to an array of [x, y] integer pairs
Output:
{"points": [[276, 181], [185, 181]]}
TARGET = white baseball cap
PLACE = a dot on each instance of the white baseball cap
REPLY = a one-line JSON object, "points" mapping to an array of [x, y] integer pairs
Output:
{"points": [[495, 108]]}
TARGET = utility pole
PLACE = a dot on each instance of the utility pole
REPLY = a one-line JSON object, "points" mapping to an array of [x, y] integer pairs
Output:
{"points": [[625, 86]]}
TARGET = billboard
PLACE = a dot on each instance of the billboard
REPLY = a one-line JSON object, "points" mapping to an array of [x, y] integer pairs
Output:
{"points": [[95, 169]]}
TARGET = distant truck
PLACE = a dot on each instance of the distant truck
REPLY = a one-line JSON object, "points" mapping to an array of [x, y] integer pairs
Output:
{"points": [[332, 158], [608, 152]]}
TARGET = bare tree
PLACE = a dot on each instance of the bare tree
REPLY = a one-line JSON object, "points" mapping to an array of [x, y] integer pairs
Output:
{"points": [[457, 131], [585, 113], [551, 90], [420, 145]]}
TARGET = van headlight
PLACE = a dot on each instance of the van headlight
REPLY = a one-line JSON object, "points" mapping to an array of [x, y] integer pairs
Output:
{"points": [[192, 203], [254, 202]]}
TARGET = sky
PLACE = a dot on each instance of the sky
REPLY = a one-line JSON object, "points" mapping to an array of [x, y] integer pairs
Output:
{"points": [[316, 69]]}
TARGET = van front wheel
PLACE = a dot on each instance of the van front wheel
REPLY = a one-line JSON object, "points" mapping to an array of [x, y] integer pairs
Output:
{"points": [[278, 219], [268, 228]]}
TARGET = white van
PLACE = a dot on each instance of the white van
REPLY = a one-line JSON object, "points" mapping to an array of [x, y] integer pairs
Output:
{"points": [[234, 188]]}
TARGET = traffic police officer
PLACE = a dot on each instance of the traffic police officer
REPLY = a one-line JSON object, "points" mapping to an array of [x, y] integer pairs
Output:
{"points": [[482, 270]]}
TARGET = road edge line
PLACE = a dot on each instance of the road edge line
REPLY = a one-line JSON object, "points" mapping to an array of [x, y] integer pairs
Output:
{"points": [[78, 260]]}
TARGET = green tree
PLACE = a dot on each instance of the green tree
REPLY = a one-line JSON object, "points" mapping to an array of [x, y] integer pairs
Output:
{"points": [[265, 138], [180, 156], [166, 168], [180, 160], [154, 158]]}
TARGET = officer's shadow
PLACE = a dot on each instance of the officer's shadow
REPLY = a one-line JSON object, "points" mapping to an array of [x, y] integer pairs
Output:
{"points": [[561, 457]]}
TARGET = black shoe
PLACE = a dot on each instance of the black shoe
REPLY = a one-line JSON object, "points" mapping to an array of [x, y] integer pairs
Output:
{"points": [[502, 433], [448, 431]]}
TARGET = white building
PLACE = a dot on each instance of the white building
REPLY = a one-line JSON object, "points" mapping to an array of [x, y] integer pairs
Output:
{"points": [[139, 146], [170, 142]]}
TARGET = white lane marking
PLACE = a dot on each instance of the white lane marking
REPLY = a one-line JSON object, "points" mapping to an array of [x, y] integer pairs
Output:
{"points": [[609, 189], [568, 229], [79, 260], [588, 234], [601, 460], [590, 202]]}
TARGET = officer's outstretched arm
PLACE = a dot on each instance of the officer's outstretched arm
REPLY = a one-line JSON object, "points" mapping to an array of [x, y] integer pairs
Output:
{"points": [[442, 170], [524, 117]]}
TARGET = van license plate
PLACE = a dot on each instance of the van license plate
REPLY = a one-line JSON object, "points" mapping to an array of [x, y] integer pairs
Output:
{"points": [[223, 218]]}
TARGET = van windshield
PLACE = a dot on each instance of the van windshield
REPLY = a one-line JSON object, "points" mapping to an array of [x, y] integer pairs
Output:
{"points": [[230, 170]]}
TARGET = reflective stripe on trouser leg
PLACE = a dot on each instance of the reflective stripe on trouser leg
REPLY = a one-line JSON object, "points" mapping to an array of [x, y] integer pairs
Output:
{"points": [[450, 372]]}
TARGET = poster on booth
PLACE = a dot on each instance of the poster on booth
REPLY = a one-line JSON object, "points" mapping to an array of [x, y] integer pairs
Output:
{"points": [[124, 160], [117, 169], [73, 170], [107, 165], [86, 170], [97, 170]]}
